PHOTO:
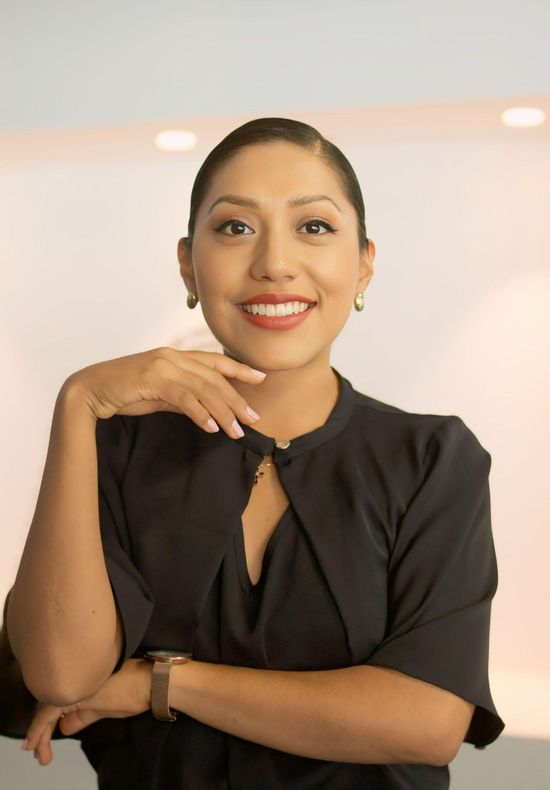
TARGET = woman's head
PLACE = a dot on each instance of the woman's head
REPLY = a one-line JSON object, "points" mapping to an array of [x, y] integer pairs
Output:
{"points": [[260, 181], [268, 130]]}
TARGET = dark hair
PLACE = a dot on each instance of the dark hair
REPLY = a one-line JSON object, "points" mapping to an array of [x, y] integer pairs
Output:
{"points": [[266, 130]]}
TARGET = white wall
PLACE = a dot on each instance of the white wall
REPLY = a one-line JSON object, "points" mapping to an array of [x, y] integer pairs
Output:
{"points": [[75, 62], [456, 321]]}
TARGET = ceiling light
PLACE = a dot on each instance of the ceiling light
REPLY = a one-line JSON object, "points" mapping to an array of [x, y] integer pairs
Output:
{"points": [[175, 140], [523, 116]]}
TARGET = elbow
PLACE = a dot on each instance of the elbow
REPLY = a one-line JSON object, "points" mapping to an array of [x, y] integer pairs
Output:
{"points": [[60, 693], [446, 752], [61, 689]]}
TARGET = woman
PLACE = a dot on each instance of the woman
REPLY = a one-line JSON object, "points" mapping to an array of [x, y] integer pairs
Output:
{"points": [[325, 569]]}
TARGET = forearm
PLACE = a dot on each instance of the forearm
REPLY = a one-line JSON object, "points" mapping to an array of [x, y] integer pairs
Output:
{"points": [[62, 617], [358, 714]]}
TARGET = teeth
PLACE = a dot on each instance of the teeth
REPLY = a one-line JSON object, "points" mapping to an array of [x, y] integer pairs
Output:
{"points": [[286, 308]]}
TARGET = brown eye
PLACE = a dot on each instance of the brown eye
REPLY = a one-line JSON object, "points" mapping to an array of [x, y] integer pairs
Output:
{"points": [[232, 223], [319, 223]]}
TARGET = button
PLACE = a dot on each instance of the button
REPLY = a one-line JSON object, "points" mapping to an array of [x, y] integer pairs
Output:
{"points": [[282, 444]]}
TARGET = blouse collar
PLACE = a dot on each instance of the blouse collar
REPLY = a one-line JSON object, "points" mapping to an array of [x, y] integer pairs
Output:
{"points": [[336, 422]]}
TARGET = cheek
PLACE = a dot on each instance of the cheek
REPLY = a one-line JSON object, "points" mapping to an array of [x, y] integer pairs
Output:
{"points": [[337, 282]]}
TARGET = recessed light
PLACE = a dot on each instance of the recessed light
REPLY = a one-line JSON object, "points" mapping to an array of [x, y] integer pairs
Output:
{"points": [[523, 116], [175, 140]]}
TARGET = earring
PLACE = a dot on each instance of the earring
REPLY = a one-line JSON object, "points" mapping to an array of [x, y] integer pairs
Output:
{"points": [[358, 302], [192, 300]]}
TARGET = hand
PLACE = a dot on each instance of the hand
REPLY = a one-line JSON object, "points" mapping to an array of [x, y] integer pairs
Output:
{"points": [[166, 379], [126, 693]]}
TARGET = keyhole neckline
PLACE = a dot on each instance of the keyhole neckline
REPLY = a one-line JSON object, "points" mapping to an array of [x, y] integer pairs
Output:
{"points": [[240, 553], [335, 423]]}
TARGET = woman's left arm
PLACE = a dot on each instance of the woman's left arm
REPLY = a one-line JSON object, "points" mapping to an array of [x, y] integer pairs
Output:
{"points": [[358, 714]]}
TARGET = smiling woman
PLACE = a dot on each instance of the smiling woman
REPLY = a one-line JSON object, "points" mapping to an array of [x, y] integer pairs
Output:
{"points": [[307, 601]]}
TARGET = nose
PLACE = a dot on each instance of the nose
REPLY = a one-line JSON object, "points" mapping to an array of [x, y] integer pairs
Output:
{"points": [[272, 258]]}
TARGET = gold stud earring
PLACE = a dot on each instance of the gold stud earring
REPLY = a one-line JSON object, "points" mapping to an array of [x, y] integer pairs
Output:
{"points": [[192, 300], [358, 302]]}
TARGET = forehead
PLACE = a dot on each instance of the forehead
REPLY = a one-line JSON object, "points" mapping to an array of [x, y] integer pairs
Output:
{"points": [[277, 170]]}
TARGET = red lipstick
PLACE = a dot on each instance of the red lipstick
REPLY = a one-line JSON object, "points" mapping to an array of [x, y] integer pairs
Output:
{"points": [[277, 322]]}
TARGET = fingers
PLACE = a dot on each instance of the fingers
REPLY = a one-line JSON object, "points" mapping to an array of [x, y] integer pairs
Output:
{"points": [[45, 715], [203, 393], [226, 365], [40, 732], [43, 751]]}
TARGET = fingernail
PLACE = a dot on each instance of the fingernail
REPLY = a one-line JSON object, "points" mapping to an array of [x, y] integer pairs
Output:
{"points": [[252, 413], [25, 744], [212, 425], [257, 372], [237, 428]]}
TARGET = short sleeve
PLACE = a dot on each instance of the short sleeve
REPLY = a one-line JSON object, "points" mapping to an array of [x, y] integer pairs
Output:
{"points": [[132, 594], [17, 704], [442, 577]]}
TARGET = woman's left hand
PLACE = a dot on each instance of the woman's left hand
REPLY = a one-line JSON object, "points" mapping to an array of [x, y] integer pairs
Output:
{"points": [[125, 693]]}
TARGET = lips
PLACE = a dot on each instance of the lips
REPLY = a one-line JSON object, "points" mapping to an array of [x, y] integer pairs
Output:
{"points": [[277, 298]]}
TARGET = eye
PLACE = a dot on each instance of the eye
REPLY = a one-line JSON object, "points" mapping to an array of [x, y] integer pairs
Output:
{"points": [[320, 223], [232, 223]]}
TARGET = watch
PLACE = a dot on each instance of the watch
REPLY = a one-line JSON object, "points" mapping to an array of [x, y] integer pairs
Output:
{"points": [[162, 663]]}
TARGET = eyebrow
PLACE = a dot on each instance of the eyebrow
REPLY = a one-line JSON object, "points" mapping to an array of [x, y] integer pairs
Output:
{"points": [[238, 200]]}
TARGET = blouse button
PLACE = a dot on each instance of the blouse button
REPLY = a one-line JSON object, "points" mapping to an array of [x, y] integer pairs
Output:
{"points": [[282, 444]]}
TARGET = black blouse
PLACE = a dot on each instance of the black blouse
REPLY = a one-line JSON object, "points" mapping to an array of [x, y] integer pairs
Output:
{"points": [[384, 556]]}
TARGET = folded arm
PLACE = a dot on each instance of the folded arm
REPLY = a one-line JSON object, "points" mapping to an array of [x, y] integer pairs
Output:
{"points": [[359, 714]]}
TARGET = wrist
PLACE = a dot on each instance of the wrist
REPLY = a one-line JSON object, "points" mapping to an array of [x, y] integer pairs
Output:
{"points": [[184, 682], [164, 662], [145, 679], [72, 399]]}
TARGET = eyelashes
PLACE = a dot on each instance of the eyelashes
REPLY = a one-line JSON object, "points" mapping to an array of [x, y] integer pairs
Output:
{"points": [[321, 222]]}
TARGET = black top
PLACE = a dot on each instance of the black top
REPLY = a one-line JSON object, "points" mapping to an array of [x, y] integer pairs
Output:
{"points": [[384, 556]]}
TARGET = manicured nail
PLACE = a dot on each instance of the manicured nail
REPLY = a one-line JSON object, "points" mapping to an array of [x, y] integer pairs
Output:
{"points": [[257, 372], [252, 413], [237, 428], [212, 425]]}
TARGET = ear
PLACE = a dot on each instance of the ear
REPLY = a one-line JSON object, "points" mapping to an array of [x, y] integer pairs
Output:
{"points": [[186, 265], [366, 266]]}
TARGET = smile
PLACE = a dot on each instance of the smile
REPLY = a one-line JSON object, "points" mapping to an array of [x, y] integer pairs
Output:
{"points": [[277, 316], [285, 308]]}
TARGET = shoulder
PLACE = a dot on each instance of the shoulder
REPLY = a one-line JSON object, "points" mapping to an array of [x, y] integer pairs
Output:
{"points": [[424, 435]]}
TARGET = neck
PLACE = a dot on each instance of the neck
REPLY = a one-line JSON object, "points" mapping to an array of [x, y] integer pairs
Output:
{"points": [[291, 402]]}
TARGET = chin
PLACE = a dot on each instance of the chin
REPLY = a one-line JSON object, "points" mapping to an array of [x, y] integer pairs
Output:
{"points": [[271, 360]]}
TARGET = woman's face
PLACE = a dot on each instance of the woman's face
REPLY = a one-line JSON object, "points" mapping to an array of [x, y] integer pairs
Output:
{"points": [[309, 251]]}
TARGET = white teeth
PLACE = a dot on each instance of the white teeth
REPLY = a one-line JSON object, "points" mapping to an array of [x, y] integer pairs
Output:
{"points": [[286, 308]]}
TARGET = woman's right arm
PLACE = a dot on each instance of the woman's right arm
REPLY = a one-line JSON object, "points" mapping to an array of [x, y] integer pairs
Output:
{"points": [[62, 619], [62, 623]]}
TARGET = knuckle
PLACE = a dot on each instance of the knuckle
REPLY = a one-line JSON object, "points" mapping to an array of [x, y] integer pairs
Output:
{"points": [[186, 398], [156, 366], [241, 403], [208, 390]]}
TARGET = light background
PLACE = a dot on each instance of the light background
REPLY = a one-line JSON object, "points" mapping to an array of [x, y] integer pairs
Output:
{"points": [[456, 317]]}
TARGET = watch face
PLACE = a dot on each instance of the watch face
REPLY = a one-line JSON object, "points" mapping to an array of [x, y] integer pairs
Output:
{"points": [[167, 655]]}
